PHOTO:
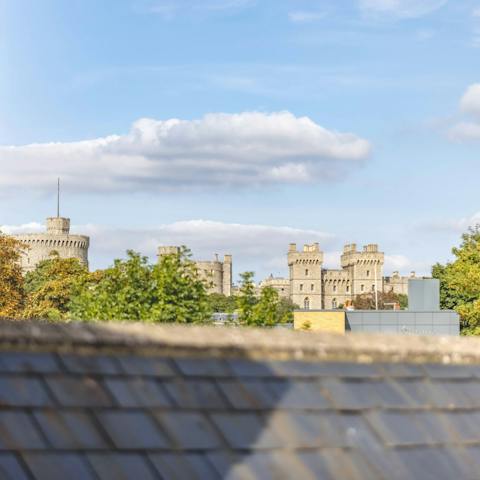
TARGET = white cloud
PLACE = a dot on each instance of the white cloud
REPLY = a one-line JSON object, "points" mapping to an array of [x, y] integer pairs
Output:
{"points": [[459, 225], [397, 263], [476, 13], [470, 105], [246, 149], [304, 16], [470, 101], [400, 8]]}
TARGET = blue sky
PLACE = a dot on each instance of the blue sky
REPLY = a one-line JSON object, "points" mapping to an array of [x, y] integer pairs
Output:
{"points": [[237, 126]]}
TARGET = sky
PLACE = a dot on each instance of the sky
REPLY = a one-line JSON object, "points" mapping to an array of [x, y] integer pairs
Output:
{"points": [[240, 126]]}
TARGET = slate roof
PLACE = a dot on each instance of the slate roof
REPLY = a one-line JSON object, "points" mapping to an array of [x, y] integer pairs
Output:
{"points": [[132, 402]]}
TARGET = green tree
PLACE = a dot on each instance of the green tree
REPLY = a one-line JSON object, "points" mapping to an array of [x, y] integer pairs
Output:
{"points": [[12, 294], [265, 312], [125, 291], [246, 300], [460, 282], [50, 287], [285, 308], [181, 295], [222, 303]]}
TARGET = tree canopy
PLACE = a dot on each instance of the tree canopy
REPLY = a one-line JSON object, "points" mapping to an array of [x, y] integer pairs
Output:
{"points": [[460, 281], [12, 294]]}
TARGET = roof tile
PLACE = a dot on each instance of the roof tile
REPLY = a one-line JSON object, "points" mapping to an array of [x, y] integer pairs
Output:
{"points": [[246, 430], [121, 466], [78, 391], [189, 430], [10, 468], [440, 371], [355, 395], [137, 392], [17, 431], [21, 391], [191, 466], [132, 430], [202, 367], [148, 366], [58, 466], [201, 394], [92, 364], [72, 430], [28, 362], [414, 428]]}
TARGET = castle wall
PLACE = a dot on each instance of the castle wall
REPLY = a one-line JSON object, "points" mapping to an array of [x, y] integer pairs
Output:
{"points": [[281, 285], [56, 239], [217, 274], [305, 269], [336, 288]]}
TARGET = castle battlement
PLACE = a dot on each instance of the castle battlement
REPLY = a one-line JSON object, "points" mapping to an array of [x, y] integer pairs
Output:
{"points": [[57, 239]]}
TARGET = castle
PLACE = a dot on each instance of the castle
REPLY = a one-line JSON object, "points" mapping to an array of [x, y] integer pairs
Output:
{"points": [[217, 274], [314, 287], [57, 239]]}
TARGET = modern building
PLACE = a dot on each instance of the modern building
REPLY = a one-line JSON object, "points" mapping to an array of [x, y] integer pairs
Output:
{"points": [[217, 273], [56, 240]]}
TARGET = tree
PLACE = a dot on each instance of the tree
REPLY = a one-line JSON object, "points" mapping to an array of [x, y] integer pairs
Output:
{"points": [[285, 308], [12, 294], [460, 281], [366, 301], [50, 287], [265, 312], [246, 300], [181, 295], [221, 303], [125, 291]]}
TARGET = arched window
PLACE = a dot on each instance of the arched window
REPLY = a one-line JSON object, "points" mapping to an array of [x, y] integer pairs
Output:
{"points": [[348, 288], [312, 287], [306, 304], [368, 273], [373, 288], [334, 288], [334, 303], [362, 287], [301, 287], [306, 272]]}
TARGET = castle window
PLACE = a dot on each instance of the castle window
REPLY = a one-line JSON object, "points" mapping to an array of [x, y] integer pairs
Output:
{"points": [[368, 273], [362, 287], [334, 288], [312, 287], [334, 303], [348, 288], [306, 304], [301, 287], [306, 272], [373, 288]]}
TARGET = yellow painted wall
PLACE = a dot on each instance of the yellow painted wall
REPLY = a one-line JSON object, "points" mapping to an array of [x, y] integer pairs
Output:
{"points": [[319, 321]]}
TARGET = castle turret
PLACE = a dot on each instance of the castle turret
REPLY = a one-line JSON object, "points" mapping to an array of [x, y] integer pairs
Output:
{"points": [[57, 239], [305, 269], [365, 268]]}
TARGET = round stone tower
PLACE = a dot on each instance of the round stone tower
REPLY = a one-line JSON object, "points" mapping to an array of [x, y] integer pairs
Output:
{"points": [[57, 239]]}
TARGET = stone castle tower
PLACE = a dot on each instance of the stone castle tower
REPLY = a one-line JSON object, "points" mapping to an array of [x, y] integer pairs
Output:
{"points": [[306, 276], [57, 239], [313, 287], [215, 272]]}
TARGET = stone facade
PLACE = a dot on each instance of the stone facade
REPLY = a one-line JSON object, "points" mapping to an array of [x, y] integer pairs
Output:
{"points": [[313, 287], [281, 285], [397, 284], [58, 239], [215, 272]]}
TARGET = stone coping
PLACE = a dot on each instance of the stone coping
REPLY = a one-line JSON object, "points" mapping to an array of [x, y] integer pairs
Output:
{"points": [[255, 343]]}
